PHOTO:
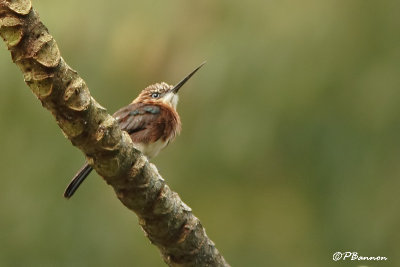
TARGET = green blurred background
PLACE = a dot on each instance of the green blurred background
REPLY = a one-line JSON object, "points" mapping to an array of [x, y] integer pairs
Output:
{"points": [[290, 145]]}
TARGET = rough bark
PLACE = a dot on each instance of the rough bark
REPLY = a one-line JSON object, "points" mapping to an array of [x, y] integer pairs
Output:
{"points": [[167, 221]]}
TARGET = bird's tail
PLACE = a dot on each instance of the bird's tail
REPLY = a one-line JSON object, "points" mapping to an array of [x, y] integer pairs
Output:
{"points": [[77, 180]]}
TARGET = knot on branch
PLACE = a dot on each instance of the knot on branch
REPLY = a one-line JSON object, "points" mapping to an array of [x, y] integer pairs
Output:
{"points": [[77, 95], [21, 7]]}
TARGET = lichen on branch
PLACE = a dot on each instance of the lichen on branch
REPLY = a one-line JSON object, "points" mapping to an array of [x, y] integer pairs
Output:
{"points": [[168, 222]]}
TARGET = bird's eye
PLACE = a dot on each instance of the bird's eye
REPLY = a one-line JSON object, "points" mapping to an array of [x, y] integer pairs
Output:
{"points": [[155, 95]]}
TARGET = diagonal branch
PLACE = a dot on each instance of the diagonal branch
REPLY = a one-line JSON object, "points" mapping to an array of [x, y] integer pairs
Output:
{"points": [[167, 221]]}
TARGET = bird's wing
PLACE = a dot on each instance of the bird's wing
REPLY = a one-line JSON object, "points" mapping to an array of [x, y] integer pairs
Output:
{"points": [[143, 122]]}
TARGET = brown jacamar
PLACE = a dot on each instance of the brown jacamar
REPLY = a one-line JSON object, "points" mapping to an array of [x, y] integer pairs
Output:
{"points": [[151, 120]]}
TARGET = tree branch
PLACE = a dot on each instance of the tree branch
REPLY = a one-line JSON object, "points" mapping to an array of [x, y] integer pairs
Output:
{"points": [[167, 221]]}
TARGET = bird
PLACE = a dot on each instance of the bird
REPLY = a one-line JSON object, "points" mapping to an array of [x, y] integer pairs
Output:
{"points": [[151, 120]]}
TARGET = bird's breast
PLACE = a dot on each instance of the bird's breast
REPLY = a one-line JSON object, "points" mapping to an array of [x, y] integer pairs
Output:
{"points": [[150, 150]]}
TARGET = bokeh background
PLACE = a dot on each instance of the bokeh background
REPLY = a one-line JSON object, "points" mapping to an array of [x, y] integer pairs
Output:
{"points": [[290, 146]]}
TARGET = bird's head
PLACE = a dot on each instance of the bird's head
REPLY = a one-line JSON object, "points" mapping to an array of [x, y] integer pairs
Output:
{"points": [[163, 92]]}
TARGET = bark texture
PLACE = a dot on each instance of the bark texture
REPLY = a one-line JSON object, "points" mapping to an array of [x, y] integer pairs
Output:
{"points": [[168, 222]]}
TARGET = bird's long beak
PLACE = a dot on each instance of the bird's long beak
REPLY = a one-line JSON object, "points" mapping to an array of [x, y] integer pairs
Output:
{"points": [[181, 83]]}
